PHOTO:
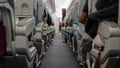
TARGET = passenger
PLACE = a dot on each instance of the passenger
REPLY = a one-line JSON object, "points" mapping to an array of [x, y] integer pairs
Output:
{"points": [[44, 26], [65, 25], [49, 20], [106, 10], [72, 30]]}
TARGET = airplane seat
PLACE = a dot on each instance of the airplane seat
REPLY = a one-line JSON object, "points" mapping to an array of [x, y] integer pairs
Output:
{"points": [[7, 35], [47, 36], [64, 32], [51, 33], [109, 34], [39, 42], [24, 38], [75, 38], [106, 45], [39, 9], [73, 43], [70, 34], [12, 59], [67, 35], [38, 31], [50, 36], [37, 35], [79, 39], [7, 23], [7, 56]]}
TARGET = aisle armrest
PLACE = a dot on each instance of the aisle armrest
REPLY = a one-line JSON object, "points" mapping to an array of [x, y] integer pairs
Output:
{"points": [[109, 33], [25, 26], [109, 29]]}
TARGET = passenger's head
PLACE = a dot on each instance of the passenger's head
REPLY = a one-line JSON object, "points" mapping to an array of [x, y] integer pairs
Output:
{"points": [[83, 17], [44, 19]]}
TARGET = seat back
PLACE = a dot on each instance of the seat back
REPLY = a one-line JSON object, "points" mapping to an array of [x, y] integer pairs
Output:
{"points": [[24, 38], [109, 34], [108, 37], [7, 34]]}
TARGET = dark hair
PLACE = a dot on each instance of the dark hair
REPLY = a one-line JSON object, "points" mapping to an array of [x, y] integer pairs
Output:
{"points": [[44, 15]]}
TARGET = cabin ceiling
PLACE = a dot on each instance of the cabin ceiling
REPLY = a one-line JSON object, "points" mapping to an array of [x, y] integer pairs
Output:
{"points": [[55, 6]]}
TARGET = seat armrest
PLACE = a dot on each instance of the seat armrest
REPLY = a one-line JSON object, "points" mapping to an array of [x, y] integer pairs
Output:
{"points": [[25, 27], [109, 29]]}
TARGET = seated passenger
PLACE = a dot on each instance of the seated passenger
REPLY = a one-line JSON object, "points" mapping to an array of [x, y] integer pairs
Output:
{"points": [[44, 27], [65, 25], [106, 10], [70, 23]]}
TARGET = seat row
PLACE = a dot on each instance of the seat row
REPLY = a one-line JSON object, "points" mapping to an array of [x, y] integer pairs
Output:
{"points": [[21, 45]]}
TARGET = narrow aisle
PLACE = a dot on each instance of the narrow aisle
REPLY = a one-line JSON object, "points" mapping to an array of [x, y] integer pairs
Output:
{"points": [[59, 55]]}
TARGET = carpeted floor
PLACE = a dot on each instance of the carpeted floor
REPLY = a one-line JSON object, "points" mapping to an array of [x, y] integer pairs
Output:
{"points": [[59, 55]]}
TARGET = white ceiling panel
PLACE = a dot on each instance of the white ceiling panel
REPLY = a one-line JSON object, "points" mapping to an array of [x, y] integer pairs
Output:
{"points": [[61, 4]]}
